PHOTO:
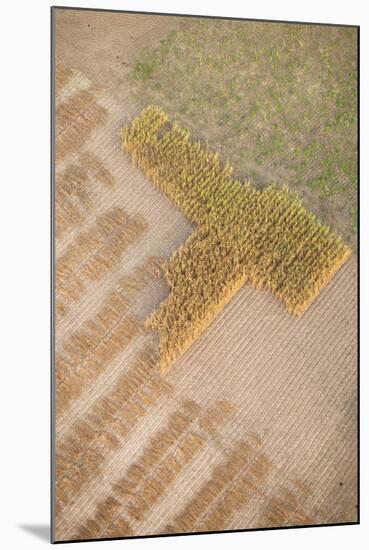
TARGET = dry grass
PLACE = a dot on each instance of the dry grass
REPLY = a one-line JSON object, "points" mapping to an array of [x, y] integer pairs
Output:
{"points": [[73, 196], [151, 475], [81, 456], [265, 238], [229, 488], [75, 120], [94, 253], [89, 350]]}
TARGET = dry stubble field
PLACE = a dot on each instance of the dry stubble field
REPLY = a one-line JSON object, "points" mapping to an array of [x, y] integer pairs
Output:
{"points": [[255, 425]]}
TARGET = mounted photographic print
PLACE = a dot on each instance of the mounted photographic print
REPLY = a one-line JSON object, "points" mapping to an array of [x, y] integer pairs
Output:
{"points": [[205, 274]]}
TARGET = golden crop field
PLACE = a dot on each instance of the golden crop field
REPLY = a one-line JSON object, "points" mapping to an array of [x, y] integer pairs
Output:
{"points": [[263, 237]]}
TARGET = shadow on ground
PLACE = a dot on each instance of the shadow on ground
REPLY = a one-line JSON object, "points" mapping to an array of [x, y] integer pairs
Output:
{"points": [[40, 531]]}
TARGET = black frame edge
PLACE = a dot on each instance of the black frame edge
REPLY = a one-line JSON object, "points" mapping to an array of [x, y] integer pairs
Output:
{"points": [[52, 274], [205, 16]]}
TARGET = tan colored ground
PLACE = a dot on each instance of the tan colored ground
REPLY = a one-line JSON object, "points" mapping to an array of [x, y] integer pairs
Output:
{"points": [[104, 46], [292, 383]]}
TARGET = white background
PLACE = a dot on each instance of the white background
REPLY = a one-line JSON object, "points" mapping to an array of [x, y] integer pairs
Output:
{"points": [[25, 271]]}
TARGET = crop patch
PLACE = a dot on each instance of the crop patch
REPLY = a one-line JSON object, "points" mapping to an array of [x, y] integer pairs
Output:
{"points": [[265, 238]]}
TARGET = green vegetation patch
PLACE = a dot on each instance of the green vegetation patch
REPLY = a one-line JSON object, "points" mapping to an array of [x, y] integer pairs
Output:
{"points": [[276, 100]]}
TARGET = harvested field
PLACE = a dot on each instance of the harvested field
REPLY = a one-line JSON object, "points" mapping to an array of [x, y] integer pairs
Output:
{"points": [[106, 60], [254, 426]]}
